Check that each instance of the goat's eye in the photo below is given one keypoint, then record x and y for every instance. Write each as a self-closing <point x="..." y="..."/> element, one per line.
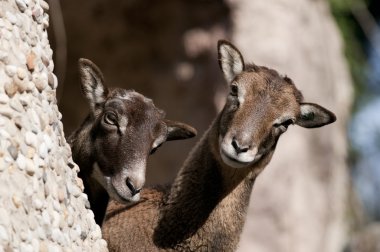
<point x="153" y="150"/>
<point x="110" y="118"/>
<point x="287" y="123"/>
<point x="234" y="90"/>
<point x="283" y="126"/>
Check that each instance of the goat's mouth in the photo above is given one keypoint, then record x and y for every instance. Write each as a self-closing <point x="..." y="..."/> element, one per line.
<point x="112" y="190"/>
<point x="114" y="194"/>
<point x="232" y="161"/>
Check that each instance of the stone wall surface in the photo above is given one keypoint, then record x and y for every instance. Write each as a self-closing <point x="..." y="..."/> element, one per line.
<point x="42" y="206"/>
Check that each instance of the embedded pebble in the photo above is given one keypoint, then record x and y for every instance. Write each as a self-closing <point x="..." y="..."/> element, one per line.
<point x="38" y="205"/>
<point x="8" y="25"/>
<point x="10" y="89"/>
<point x="16" y="105"/>
<point x="21" y="85"/>
<point x="39" y="82"/>
<point x="21" y="73"/>
<point x="30" y="167"/>
<point x="25" y="247"/>
<point x="4" y="57"/>
<point x="45" y="218"/>
<point x="4" y="98"/>
<point x="10" y="70"/>
<point x="43" y="151"/>
<point x="48" y="142"/>
<point x="21" y="5"/>
<point x="34" y="118"/>
<point x="31" y="139"/>
<point x="52" y="80"/>
<point x="23" y="236"/>
<point x="2" y="121"/>
<point x="24" y="100"/>
<point x="13" y="151"/>
<point x="44" y="5"/>
<point x="7" y="112"/>
<point x="32" y="223"/>
<point x="3" y="234"/>
<point x="57" y="207"/>
<point x="57" y="235"/>
<point x="30" y="61"/>
<point x="4" y="217"/>
<point x="45" y="21"/>
<point x="37" y="14"/>
<point x="16" y="201"/>
<point x="36" y="244"/>
<point x="27" y="151"/>
<point x="21" y="162"/>
<point x="61" y="195"/>
<point x="76" y="192"/>
<point x="12" y="130"/>
<point x="7" y="35"/>
<point x="70" y="220"/>
<point x="3" y="165"/>
<point x="33" y="40"/>
<point x="12" y="18"/>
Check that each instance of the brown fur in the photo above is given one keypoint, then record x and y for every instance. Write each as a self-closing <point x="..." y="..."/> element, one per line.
<point x="206" y="206"/>
<point x="120" y="144"/>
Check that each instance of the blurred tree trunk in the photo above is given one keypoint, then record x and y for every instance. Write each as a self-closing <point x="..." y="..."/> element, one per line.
<point x="300" y="201"/>
<point x="42" y="207"/>
<point x="167" y="50"/>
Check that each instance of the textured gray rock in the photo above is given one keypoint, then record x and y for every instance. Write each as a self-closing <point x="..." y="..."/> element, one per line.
<point x="36" y="211"/>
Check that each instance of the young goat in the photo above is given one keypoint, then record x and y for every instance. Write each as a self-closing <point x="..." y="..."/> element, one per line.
<point x="205" y="208"/>
<point x="112" y="145"/>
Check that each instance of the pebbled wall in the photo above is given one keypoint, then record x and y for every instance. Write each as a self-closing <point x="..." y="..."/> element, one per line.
<point x="42" y="206"/>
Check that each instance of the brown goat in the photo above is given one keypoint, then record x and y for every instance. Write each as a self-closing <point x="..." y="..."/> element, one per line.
<point x="205" y="208"/>
<point x="112" y="145"/>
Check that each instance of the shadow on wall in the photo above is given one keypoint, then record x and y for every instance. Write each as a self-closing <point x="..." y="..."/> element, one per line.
<point x="163" y="49"/>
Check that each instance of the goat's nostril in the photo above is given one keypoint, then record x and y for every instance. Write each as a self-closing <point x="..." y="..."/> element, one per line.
<point x="244" y="149"/>
<point x="235" y="145"/>
<point x="131" y="187"/>
<point x="238" y="148"/>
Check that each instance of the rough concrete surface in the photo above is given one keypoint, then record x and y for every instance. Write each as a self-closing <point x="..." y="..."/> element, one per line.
<point x="42" y="206"/>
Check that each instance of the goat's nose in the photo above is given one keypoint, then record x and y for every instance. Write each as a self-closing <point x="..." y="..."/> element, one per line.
<point x="238" y="148"/>
<point x="131" y="187"/>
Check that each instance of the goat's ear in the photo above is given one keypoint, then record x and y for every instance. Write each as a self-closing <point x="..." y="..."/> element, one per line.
<point x="230" y="60"/>
<point x="314" y="116"/>
<point x="92" y="83"/>
<point x="179" y="130"/>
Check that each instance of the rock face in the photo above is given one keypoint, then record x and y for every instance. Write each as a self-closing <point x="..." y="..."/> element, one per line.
<point x="42" y="207"/>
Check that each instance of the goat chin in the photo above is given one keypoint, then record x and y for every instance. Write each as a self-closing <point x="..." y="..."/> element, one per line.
<point x="106" y="182"/>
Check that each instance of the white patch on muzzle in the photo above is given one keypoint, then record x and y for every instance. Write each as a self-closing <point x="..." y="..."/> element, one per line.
<point x="233" y="159"/>
<point x="114" y="192"/>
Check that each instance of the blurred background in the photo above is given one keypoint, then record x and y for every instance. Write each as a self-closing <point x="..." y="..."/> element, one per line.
<point x="321" y="190"/>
